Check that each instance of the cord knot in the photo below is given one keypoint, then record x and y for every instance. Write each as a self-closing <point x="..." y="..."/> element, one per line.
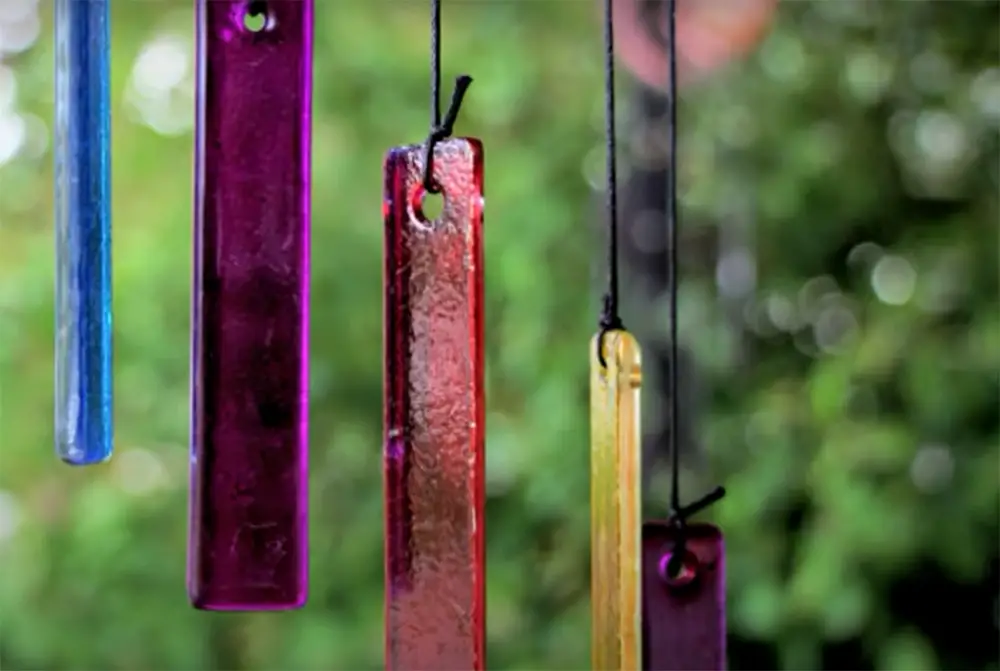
<point x="678" y="519"/>
<point x="610" y="321"/>
<point x="443" y="130"/>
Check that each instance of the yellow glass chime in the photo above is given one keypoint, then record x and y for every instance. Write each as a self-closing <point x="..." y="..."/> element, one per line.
<point x="616" y="505"/>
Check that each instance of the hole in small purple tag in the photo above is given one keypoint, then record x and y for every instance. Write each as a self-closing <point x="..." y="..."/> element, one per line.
<point x="678" y="570"/>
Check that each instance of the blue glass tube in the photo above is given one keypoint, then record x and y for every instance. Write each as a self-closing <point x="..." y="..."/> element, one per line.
<point x="83" y="385"/>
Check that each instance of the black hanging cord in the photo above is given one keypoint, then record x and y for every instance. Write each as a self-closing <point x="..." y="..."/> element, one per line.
<point x="610" y="318"/>
<point x="673" y="242"/>
<point x="678" y="513"/>
<point x="440" y="130"/>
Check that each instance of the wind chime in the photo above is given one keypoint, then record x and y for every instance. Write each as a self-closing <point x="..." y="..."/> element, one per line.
<point x="657" y="588"/>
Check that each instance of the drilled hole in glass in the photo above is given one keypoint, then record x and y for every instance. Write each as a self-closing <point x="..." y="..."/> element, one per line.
<point x="427" y="206"/>
<point x="678" y="571"/>
<point x="255" y="18"/>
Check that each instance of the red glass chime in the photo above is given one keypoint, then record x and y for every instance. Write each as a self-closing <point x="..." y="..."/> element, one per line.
<point x="434" y="409"/>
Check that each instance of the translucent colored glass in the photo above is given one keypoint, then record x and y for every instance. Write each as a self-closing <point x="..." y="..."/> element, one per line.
<point x="615" y="503"/>
<point x="82" y="146"/>
<point x="434" y="412"/>
<point x="248" y="545"/>
<point x="684" y="611"/>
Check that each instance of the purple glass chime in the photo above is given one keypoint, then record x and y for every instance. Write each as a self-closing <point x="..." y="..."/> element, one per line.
<point x="683" y="598"/>
<point x="248" y="544"/>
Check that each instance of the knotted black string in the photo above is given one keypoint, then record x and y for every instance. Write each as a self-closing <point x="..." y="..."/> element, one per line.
<point x="440" y="130"/>
<point x="678" y="514"/>
<point x="610" y="319"/>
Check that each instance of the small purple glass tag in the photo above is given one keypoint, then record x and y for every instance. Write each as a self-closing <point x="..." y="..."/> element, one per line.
<point x="683" y="604"/>
<point x="248" y="544"/>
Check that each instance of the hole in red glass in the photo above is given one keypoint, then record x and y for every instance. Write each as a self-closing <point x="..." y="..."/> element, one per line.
<point x="676" y="571"/>
<point x="427" y="206"/>
<point x="255" y="18"/>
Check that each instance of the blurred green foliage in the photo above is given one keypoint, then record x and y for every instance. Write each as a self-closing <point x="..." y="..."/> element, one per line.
<point x="858" y="440"/>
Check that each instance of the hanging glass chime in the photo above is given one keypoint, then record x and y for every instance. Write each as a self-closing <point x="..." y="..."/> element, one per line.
<point x="684" y="589"/>
<point x="434" y="398"/>
<point x="615" y="501"/>
<point x="82" y="146"/>
<point x="248" y="544"/>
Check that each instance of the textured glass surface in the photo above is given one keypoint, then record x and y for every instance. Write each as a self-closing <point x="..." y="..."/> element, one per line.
<point x="615" y="504"/>
<point x="434" y="412"/>
<point x="81" y="143"/>
<point x="248" y="540"/>
<point x="684" y="623"/>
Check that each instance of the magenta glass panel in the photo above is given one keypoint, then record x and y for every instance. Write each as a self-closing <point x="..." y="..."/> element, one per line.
<point x="248" y="542"/>
<point x="684" y="615"/>
<point x="434" y="412"/>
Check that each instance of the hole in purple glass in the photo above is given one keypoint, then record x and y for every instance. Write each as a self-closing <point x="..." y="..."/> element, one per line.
<point x="678" y="572"/>
<point x="427" y="207"/>
<point x="255" y="18"/>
